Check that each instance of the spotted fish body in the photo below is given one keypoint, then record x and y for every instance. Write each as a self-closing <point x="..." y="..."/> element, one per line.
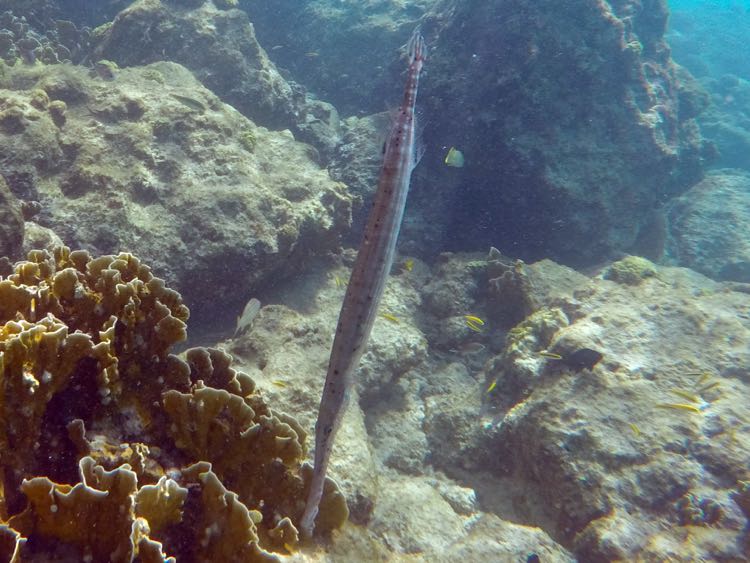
<point x="368" y="277"/>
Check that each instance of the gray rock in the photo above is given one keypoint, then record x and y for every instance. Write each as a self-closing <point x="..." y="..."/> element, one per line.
<point x="706" y="227"/>
<point x="220" y="47"/>
<point x="11" y="223"/>
<point x="153" y="163"/>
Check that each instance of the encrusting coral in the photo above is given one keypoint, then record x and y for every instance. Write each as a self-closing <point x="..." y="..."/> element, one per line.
<point x="90" y="394"/>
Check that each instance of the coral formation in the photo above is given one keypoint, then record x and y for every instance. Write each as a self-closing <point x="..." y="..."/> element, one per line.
<point x="89" y="390"/>
<point x="52" y="41"/>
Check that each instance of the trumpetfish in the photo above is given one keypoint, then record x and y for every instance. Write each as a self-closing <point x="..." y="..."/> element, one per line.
<point x="401" y="154"/>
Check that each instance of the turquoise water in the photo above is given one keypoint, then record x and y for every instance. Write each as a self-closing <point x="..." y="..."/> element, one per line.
<point x="708" y="5"/>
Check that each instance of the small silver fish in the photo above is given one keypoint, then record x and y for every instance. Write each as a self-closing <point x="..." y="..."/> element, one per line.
<point x="248" y="315"/>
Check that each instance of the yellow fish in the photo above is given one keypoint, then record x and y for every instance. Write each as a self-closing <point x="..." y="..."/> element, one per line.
<point x="492" y="386"/>
<point x="709" y="387"/>
<point x="474" y="323"/>
<point x="279" y="383"/>
<point x="339" y="281"/>
<point x="409" y="264"/>
<point x="550" y="355"/>
<point x="389" y="317"/>
<point x="680" y="406"/>
<point x="454" y="158"/>
<point x="693" y="398"/>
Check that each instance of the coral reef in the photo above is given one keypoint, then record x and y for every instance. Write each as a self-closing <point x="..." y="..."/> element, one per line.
<point x="622" y="458"/>
<point x="50" y="41"/>
<point x="89" y="390"/>
<point x="229" y="61"/>
<point x="410" y="408"/>
<point x="556" y="181"/>
<point x="604" y="442"/>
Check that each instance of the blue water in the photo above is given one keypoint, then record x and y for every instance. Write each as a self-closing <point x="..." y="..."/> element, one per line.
<point x="707" y="5"/>
<point x="710" y="38"/>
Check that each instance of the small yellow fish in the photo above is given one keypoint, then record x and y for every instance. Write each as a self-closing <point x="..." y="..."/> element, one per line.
<point x="389" y="317"/>
<point x="550" y="355"/>
<point x="492" y="386"/>
<point x="635" y="429"/>
<point x="732" y="434"/>
<point x="712" y="385"/>
<point x="680" y="407"/>
<point x="339" y="281"/>
<point x="686" y="395"/>
<point x="454" y="158"/>
<point x="409" y="264"/>
<point x="474" y="323"/>
<point x="279" y="383"/>
<point x="705" y="376"/>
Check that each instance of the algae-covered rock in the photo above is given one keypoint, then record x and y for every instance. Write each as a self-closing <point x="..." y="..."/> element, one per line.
<point x="218" y="46"/>
<point x="602" y="448"/>
<point x="11" y="223"/>
<point x="631" y="270"/>
<point x="705" y="227"/>
<point x="155" y="163"/>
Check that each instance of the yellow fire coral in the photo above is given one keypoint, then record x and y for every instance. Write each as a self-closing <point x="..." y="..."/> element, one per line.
<point x="89" y="392"/>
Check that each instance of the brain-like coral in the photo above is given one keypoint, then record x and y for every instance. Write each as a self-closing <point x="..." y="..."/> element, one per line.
<point x="100" y="424"/>
<point x="42" y="38"/>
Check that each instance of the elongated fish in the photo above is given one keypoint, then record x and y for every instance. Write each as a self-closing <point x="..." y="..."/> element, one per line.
<point x="368" y="278"/>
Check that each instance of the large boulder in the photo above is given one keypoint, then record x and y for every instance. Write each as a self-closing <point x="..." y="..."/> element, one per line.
<point x="152" y="162"/>
<point x="706" y="227"/>
<point x="219" y="46"/>
<point x="574" y="122"/>
<point x="573" y="119"/>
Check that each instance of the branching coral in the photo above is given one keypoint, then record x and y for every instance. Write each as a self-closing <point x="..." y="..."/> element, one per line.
<point x="88" y="388"/>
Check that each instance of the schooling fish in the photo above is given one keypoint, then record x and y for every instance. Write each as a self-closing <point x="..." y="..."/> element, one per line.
<point x="368" y="277"/>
